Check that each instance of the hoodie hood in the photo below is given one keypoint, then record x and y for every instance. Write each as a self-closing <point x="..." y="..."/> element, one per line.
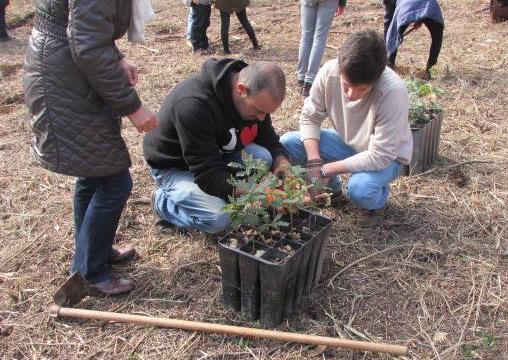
<point x="216" y="73"/>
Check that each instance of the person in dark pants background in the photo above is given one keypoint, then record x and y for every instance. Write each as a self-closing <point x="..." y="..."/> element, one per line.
<point x="3" y="26"/>
<point x="198" y="22"/>
<point x="239" y="7"/>
<point x="399" y="14"/>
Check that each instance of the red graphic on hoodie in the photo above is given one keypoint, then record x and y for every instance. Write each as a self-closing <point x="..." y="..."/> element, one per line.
<point x="248" y="134"/>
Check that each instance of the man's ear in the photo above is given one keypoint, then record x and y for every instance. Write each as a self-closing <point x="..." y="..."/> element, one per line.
<point x="242" y="89"/>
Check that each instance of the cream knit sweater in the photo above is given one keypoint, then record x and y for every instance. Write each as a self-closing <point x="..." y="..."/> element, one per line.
<point x="376" y="126"/>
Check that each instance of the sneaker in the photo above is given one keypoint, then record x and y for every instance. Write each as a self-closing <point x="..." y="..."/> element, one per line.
<point x="370" y="218"/>
<point x="306" y="89"/>
<point x="111" y="287"/>
<point x="162" y="226"/>
<point x="299" y="85"/>
<point x="122" y="254"/>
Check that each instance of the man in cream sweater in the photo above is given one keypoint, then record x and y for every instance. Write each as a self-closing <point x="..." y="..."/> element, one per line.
<point x="367" y="104"/>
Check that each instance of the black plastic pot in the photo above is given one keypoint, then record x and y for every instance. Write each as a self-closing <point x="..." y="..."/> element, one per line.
<point x="269" y="286"/>
<point x="425" y="145"/>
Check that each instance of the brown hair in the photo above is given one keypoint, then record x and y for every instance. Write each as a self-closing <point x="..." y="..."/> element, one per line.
<point x="362" y="57"/>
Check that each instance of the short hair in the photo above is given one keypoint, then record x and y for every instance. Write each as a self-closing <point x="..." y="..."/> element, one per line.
<point x="362" y="57"/>
<point x="264" y="75"/>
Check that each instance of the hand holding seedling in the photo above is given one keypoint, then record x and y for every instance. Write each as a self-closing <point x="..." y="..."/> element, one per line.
<point x="314" y="176"/>
<point x="281" y="166"/>
<point x="263" y="198"/>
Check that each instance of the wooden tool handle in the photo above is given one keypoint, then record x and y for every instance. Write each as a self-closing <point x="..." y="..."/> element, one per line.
<point x="57" y="311"/>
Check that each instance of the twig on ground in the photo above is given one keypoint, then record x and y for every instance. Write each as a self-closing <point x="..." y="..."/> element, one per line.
<point x="155" y="51"/>
<point x="330" y="282"/>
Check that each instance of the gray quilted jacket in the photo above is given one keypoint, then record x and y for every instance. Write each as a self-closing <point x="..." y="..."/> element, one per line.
<point x="75" y="89"/>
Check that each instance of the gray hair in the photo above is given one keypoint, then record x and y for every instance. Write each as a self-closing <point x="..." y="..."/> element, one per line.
<point x="264" y="75"/>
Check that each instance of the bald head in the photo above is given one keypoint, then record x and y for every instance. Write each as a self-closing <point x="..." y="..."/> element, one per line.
<point x="264" y="75"/>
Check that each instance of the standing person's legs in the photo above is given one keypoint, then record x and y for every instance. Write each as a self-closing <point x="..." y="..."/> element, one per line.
<point x="324" y="17"/>
<point x="196" y="25"/>
<point x="189" y="26"/>
<point x="98" y="226"/>
<point x="207" y="13"/>
<point x="224" y="31"/>
<point x="200" y="22"/>
<point x="83" y="193"/>
<point x="393" y="56"/>
<point x="436" y="33"/>
<point x="389" y="6"/>
<point x="244" y="20"/>
<point x="308" y="24"/>
<point x="369" y="190"/>
<point x="3" y="26"/>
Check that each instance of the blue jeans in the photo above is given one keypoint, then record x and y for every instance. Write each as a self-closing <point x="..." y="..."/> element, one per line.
<point x="367" y="189"/>
<point x="189" y="23"/>
<point x="315" y="23"/>
<point x="200" y="21"/>
<point x="98" y="204"/>
<point x="181" y="202"/>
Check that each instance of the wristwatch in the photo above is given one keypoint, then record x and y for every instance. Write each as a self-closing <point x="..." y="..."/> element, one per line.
<point x="322" y="172"/>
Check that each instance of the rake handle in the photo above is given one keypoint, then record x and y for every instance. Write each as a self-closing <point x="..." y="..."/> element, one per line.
<point x="57" y="311"/>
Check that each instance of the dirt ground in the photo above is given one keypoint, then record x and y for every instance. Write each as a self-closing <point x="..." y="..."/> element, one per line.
<point x="435" y="276"/>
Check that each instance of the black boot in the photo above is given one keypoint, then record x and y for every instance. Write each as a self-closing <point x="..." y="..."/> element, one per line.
<point x="306" y="89"/>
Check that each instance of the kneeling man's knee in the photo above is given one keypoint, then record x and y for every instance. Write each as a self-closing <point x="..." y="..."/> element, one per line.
<point x="363" y="192"/>
<point x="216" y="223"/>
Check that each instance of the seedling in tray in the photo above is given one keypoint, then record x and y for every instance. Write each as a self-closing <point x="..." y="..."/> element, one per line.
<point x="275" y="250"/>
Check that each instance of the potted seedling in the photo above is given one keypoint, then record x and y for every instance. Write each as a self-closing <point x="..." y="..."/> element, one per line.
<point x="425" y="119"/>
<point x="275" y="249"/>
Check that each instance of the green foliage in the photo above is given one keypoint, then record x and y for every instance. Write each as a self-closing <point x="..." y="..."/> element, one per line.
<point x="488" y="341"/>
<point x="422" y="101"/>
<point x="243" y="342"/>
<point x="468" y="350"/>
<point x="262" y="192"/>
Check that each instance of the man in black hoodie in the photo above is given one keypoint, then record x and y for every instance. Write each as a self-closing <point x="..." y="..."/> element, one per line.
<point x="205" y="123"/>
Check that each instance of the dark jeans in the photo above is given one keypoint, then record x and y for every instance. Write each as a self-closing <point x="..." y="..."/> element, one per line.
<point x="3" y="28"/>
<point x="98" y="204"/>
<point x="244" y="20"/>
<point x="435" y="29"/>
<point x="200" y="21"/>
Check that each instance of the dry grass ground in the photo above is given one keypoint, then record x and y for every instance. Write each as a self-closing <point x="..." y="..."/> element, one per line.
<point x="441" y="286"/>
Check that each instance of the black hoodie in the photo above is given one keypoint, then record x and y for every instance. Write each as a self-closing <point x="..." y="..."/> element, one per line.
<point x="199" y="123"/>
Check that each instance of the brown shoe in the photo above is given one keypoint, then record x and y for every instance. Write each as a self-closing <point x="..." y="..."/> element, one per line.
<point x="111" y="287"/>
<point x="122" y="254"/>
<point x="370" y="218"/>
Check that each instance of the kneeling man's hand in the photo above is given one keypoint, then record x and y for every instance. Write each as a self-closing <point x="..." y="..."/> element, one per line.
<point x="281" y="166"/>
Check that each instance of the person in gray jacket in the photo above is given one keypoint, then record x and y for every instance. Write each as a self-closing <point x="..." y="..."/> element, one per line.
<point x="78" y="86"/>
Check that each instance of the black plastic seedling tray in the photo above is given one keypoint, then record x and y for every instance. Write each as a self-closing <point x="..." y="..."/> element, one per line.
<point x="267" y="286"/>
